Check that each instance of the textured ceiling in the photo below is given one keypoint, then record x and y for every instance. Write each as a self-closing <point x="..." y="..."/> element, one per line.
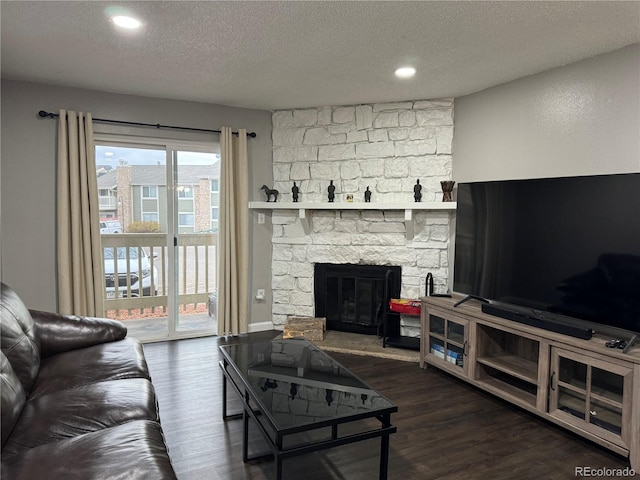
<point x="274" y="55"/>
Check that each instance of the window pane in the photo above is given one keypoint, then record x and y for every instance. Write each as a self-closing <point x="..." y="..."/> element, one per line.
<point x="572" y="372"/>
<point x="214" y="186"/>
<point x="186" y="219"/>
<point x="131" y="181"/>
<point x="149" y="192"/>
<point x="185" y="191"/>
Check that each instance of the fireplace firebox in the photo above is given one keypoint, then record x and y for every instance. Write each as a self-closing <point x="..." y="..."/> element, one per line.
<point x="353" y="298"/>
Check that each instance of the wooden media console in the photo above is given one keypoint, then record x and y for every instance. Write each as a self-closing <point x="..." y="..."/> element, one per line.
<point x="580" y="385"/>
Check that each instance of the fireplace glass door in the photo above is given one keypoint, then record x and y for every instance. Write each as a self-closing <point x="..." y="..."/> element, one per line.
<point x="353" y="297"/>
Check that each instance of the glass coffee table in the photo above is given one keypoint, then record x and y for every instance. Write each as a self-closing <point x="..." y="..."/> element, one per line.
<point x="298" y="396"/>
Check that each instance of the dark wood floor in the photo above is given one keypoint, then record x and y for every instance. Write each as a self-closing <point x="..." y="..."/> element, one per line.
<point x="446" y="428"/>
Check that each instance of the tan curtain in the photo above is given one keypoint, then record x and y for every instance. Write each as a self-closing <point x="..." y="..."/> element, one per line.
<point x="233" y="237"/>
<point x="79" y="260"/>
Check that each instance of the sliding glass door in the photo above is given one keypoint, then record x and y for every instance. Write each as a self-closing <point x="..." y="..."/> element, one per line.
<point x="158" y="220"/>
<point x="195" y="226"/>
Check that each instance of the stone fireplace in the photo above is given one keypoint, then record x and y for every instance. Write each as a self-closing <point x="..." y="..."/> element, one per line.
<point x="385" y="147"/>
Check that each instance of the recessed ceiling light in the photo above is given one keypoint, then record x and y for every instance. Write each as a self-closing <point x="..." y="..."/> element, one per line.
<point x="405" y="72"/>
<point x="126" y="22"/>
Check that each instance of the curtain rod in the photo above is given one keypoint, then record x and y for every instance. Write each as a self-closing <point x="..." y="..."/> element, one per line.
<point x="44" y="114"/>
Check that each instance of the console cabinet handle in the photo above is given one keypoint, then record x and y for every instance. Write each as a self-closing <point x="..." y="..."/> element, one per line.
<point x="464" y="348"/>
<point x="551" y="383"/>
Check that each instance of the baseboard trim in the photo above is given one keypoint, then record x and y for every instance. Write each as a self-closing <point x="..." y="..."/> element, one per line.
<point x="260" y="327"/>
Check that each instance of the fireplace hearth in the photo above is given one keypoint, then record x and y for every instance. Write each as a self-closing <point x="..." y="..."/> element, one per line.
<point x="353" y="298"/>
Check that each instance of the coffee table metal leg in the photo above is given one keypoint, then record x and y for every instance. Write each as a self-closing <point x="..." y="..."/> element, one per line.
<point x="384" y="457"/>
<point x="278" y="458"/>
<point x="245" y="431"/>
<point x="278" y="465"/>
<point x="224" y="393"/>
<point x="384" y="448"/>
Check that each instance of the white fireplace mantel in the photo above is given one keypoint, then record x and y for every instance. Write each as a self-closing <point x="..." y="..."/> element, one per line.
<point x="302" y="207"/>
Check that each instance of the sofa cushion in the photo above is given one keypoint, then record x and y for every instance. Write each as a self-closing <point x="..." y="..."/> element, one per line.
<point x="134" y="450"/>
<point x="108" y="361"/>
<point x="18" y="337"/>
<point x="13" y="397"/>
<point x="89" y="408"/>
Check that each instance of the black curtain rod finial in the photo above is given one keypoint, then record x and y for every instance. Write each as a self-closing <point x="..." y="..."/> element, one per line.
<point x="43" y="114"/>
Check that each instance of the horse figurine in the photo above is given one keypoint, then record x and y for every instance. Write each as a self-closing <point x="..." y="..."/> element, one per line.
<point x="270" y="192"/>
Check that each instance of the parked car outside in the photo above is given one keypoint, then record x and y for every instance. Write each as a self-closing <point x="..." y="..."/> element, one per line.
<point x="110" y="226"/>
<point x="140" y="272"/>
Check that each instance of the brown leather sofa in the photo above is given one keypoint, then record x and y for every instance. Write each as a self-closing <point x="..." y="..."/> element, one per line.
<point x="77" y="399"/>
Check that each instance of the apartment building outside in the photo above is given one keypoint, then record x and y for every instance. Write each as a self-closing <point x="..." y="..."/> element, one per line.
<point x="134" y="193"/>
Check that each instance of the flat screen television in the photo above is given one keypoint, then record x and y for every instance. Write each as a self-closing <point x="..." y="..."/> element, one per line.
<point x="559" y="249"/>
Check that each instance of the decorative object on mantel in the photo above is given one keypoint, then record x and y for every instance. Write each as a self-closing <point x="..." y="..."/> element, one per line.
<point x="447" y="188"/>
<point x="417" y="191"/>
<point x="332" y="190"/>
<point x="295" y="191"/>
<point x="367" y="195"/>
<point x="270" y="192"/>
<point x="349" y="197"/>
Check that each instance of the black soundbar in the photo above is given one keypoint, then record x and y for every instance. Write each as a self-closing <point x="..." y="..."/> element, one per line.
<point x="536" y="318"/>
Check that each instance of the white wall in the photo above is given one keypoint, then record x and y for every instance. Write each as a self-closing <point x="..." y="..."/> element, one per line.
<point x="579" y="119"/>
<point x="28" y="173"/>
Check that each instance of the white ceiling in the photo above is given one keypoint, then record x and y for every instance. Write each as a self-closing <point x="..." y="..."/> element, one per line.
<point x="275" y="55"/>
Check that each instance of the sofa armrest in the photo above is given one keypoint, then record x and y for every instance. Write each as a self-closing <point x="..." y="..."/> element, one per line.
<point x="62" y="333"/>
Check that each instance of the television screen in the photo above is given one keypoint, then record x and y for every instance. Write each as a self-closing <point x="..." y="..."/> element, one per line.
<point x="569" y="246"/>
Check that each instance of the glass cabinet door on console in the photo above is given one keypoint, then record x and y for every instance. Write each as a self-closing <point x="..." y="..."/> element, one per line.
<point x="592" y="394"/>
<point x="446" y="340"/>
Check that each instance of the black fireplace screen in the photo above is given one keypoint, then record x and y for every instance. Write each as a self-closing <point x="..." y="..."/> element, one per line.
<point x="353" y="297"/>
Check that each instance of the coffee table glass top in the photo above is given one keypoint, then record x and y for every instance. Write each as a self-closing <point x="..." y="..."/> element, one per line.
<point x="298" y="384"/>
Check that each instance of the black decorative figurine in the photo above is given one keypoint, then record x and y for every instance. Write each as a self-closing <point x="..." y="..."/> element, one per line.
<point x="270" y="192"/>
<point x="331" y="189"/>
<point x="294" y="192"/>
<point x="367" y="195"/>
<point x="417" y="191"/>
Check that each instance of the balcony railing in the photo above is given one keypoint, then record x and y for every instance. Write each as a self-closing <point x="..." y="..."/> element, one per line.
<point x="136" y="272"/>
<point x="107" y="202"/>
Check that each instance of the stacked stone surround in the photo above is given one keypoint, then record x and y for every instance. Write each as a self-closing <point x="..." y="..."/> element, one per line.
<point x="385" y="147"/>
